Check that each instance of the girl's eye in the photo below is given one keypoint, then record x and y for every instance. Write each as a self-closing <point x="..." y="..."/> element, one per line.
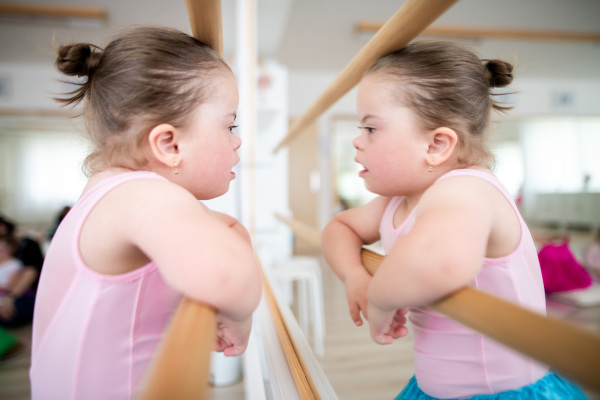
<point x="231" y="128"/>
<point x="368" y="129"/>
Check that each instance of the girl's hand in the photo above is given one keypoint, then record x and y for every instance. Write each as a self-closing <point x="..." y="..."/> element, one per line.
<point x="232" y="336"/>
<point x="357" y="285"/>
<point x="387" y="326"/>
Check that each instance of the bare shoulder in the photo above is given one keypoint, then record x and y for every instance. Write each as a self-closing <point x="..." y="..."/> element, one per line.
<point x="158" y="206"/>
<point x="474" y="203"/>
<point x="460" y="191"/>
<point x="133" y="219"/>
<point x="140" y="195"/>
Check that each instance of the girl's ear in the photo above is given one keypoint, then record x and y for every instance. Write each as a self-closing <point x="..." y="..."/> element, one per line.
<point x="164" y="144"/>
<point x="441" y="145"/>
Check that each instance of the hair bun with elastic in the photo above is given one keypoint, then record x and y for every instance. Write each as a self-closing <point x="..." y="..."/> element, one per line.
<point x="80" y="59"/>
<point x="499" y="73"/>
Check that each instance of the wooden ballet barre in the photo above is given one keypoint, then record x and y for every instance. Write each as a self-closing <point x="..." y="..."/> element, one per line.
<point x="478" y="33"/>
<point x="565" y="347"/>
<point x="206" y="22"/>
<point x="54" y="11"/>
<point x="182" y="367"/>
<point x="396" y="33"/>
<point x="302" y="230"/>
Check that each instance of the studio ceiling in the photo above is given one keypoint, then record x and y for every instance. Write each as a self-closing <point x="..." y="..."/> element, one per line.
<point x="320" y="34"/>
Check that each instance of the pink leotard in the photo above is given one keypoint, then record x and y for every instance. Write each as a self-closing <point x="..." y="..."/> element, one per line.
<point x="94" y="334"/>
<point x="452" y="361"/>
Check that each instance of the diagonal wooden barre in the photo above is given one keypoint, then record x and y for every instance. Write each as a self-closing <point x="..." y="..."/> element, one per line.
<point x="302" y="230"/>
<point x="521" y="34"/>
<point x="54" y="11"/>
<point x="404" y="26"/>
<point x="563" y="346"/>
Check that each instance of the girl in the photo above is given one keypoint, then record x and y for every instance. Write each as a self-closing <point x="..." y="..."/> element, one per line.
<point x="444" y="220"/>
<point x="160" y="110"/>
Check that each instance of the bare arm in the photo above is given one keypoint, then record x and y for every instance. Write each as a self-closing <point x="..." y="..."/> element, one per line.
<point x="343" y="238"/>
<point x="442" y="253"/>
<point x="232" y="335"/>
<point x="200" y="253"/>
<point x="233" y="223"/>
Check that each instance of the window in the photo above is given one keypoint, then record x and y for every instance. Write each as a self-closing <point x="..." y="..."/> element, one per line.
<point x="41" y="174"/>
<point x="562" y="154"/>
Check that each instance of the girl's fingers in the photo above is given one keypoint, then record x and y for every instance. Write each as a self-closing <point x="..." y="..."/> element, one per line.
<point x="364" y="307"/>
<point x="382" y="338"/>
<point x="399" y="332"/>
<point x="355" y="313"/>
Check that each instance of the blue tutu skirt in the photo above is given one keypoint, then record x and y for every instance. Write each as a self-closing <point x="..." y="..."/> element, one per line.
<point x="550" y="387"/>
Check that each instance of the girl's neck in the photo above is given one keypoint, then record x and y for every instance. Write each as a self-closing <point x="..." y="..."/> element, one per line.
<point x="105" y="174"/>
<point x="411" y="200"/>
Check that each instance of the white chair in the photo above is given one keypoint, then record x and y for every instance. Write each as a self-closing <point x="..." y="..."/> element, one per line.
<point x="306" y="272"/>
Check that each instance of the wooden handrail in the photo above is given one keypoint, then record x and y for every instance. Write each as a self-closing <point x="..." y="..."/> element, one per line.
<point x="54" y="11"/>
<point x="522" y="34"/>
<point x="567" y="348"/>
<point x="206" y="22"/>
<point x="304" y="231"/>
<point x="397" y="32"/>
<point x="182" y="366"/>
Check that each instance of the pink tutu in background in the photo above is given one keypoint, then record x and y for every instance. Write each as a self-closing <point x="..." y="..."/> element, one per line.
<point x="560" y="269"/>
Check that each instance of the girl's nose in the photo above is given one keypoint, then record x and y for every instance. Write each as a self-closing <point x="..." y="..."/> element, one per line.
<point x="357" y="142"/>
<point x="237" y="142"/>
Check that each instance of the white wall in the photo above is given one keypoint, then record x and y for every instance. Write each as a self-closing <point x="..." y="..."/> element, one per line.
<point x="544" y="97"/>
<point x="30" y="86"/>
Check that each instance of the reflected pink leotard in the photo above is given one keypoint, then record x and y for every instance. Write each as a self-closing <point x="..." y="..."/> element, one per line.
<point x="452" y="361"/>
<point x="94" y="334"/>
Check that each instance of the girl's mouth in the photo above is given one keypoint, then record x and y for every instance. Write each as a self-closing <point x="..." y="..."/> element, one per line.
<point x="363" y="171"/>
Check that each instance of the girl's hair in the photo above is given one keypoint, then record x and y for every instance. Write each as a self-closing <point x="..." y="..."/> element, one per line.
<point x="144" y="77"/>
<point x="446" y="84"/>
